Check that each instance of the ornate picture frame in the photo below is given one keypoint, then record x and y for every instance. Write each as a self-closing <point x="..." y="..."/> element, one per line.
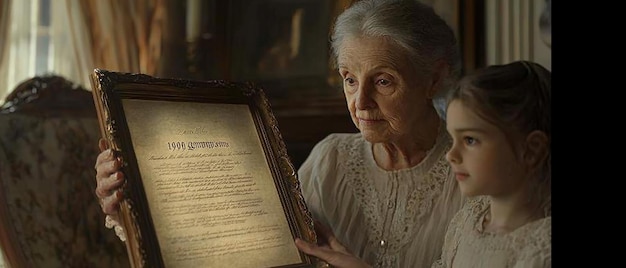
<point x="208" y="179"/>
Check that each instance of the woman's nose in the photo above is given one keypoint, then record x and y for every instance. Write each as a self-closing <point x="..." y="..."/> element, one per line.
<point x="364" y="98"/>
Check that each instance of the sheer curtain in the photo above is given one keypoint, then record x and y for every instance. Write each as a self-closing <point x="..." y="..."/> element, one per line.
<point x="77" y="36"/>
<point x="5" y="7"/>
<point x="25" y="42"/>
<point x="18" y="49"/>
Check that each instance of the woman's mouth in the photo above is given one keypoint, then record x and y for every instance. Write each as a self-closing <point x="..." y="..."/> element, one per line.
<point x="363" y="121"/>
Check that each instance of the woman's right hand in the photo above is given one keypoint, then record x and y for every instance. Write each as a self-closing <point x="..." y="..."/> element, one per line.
<point x="330" y="250"/>
<point x="109" y="179"/>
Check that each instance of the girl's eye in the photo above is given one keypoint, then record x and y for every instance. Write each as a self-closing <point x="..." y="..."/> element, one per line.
<point x="470" y="140"/>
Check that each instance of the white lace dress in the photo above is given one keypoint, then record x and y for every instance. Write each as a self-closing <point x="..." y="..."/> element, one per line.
<point x="467" y="245"/>
<point x="388" y="218"/>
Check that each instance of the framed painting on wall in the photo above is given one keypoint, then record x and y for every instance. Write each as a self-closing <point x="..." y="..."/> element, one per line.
<point x="281" y="43"/>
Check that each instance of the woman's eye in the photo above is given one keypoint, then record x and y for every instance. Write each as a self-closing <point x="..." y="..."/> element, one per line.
<point x="385" y="86"/>
<point x="349" y="85"/>
<point x="349" y="81"/>
<point x="383" y="82"/>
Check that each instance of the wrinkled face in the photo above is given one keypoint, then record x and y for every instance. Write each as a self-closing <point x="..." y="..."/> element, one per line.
<point x="386" y="98"/>
<point x="481" y="157"/>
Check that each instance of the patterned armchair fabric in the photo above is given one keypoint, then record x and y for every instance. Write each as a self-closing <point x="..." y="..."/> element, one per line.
<point x="49" y="215"/>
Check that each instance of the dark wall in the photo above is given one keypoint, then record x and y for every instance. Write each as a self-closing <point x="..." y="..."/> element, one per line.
<point x="250" y="41"/>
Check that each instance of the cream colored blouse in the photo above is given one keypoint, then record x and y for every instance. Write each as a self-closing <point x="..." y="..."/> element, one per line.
<point x="387" y="218"/>
<point x="467" y="245"/>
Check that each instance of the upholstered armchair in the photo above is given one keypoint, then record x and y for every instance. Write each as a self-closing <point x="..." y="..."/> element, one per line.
<point x="49" y="216"/>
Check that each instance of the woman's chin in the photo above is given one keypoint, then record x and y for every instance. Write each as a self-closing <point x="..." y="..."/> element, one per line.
<point x="373" y="136"/>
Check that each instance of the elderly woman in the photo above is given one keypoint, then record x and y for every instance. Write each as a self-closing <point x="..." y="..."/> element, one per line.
<point x="386" y="192"/>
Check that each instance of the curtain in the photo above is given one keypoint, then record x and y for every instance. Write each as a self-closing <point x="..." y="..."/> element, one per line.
<point x="17" y="56"/>
<point x="79" y="36"/>
<point x="512" y="32"/>
<point x="5" y="7"/>
<point x="116" y="35"/>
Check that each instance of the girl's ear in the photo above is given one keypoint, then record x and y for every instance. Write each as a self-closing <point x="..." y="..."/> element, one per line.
<point x="537" y="148"/>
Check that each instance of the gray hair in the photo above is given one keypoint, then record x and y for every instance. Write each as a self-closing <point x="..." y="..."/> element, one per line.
<point x="410" y="24"/>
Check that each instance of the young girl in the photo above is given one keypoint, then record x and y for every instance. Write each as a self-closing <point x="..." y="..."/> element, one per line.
<point x="499" y="119"/>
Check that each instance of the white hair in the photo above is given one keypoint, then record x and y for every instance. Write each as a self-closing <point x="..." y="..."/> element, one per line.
<point x="412" y="25"/>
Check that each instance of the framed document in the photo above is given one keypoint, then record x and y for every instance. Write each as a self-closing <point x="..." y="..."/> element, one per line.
<point x="208" y="179"/>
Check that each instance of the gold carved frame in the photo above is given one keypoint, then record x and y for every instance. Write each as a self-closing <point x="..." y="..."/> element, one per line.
<point x="114" y="93"/>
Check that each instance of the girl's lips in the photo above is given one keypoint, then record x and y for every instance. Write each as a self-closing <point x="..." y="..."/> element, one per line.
<point x="461" y="176"/>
